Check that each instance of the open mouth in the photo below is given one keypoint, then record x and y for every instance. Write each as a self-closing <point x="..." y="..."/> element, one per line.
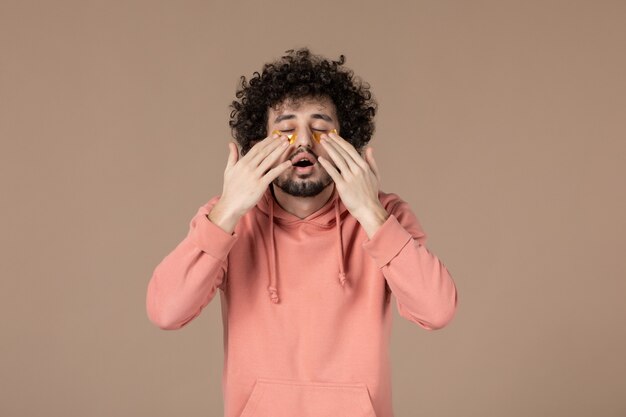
<point x="303" y="163"/>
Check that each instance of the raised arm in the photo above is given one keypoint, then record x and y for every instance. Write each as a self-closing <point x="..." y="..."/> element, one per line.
<point x="424" y="290"/>
<point x="187" y="279"/>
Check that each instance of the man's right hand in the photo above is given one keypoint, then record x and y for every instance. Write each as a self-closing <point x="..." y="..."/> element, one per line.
<point x="247" y="178"/>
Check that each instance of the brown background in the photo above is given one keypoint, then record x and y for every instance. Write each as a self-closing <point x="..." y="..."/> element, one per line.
<point x="501" y="123"/>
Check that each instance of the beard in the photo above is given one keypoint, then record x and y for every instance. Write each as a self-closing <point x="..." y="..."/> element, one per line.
<point x="302" y="186"/>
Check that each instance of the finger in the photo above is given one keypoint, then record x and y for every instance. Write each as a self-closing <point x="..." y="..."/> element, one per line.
<point x="275" y="172"/>
<point x="332" y="171"/>
<point x="269" y="145"/>
<point x="369" y="153"/>
<point x="354" y="157"/>
<point x="258" y="146"/>
<point x="273" y="156"/>
<point x="233" y="155"/>
<point x="333" y="152"/>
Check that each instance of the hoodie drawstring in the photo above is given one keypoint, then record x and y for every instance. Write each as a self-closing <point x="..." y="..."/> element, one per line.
<point x="342" y="274"/>
<point x="272" y="288"/>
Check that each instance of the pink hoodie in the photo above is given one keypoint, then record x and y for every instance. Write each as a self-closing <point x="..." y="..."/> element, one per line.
<point x="305" y="303"/>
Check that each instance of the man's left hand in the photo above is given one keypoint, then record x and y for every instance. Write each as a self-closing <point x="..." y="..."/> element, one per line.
<point x="357" y="183"/>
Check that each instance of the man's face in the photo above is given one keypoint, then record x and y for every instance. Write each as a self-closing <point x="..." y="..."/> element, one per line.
<point x="305" y="118"/>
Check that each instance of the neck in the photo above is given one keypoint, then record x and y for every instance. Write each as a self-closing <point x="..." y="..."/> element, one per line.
<point x="302" y="207"/>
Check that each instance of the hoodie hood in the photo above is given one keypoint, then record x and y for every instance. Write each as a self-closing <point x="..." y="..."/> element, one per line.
<point x="327" y="216"/>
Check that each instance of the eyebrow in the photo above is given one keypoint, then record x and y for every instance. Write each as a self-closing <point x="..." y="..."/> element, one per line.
<point x="313" y="116"/>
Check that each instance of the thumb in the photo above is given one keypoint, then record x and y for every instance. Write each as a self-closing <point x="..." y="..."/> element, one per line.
<point x="369" y="154"/>
<point x="233" y="156"/>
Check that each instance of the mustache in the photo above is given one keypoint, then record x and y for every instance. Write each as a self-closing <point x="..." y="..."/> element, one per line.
<point x="303" y="150"/>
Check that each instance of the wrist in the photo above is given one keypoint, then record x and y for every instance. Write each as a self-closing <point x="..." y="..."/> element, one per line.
<point x="223" y="218"/>
<point x="373" y="219"/>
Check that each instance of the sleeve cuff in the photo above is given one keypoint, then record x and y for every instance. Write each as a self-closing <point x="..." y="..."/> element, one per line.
<point x="210" y="238"/>
<point x="387" y="242"/>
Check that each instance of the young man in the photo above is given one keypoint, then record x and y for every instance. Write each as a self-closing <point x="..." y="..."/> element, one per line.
<point x="305" y="255"/>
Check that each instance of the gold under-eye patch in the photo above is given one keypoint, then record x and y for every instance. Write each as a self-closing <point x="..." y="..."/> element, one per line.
<point x="293" y="136"/>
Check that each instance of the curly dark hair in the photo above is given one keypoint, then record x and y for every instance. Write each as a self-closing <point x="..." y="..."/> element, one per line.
<point x="296" y="76"/>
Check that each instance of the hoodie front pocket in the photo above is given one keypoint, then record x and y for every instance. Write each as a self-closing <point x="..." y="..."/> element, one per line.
<point x="285" y="398"/>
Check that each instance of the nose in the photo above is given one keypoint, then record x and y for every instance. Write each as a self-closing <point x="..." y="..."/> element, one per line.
<point x="303" y="138"/>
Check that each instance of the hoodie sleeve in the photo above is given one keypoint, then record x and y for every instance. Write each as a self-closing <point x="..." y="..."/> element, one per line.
<point x="424" y="290"/>
<point x="187" y="279"/>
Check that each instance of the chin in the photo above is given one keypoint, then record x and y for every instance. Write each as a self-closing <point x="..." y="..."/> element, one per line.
<point x="309" y="186"/>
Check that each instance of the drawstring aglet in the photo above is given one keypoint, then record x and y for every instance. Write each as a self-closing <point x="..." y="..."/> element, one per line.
<point x="342" y="278"/>
<point x="273" y="294"/>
